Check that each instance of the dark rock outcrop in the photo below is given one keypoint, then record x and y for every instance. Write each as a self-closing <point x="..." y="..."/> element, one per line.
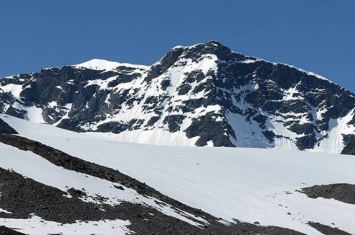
<point x="6" y="128"/>
<point x="7" y="231"/>
<point x="327" y="230"/>
<point x="349" y="149"/>
<point x="341" y="192"/>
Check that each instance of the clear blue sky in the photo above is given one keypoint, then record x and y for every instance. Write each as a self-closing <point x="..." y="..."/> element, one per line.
<point x="314" y="35"/>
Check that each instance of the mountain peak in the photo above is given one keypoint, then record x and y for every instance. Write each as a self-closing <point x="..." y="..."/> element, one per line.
<point x="205" y="94"/>
<point x="215" y="43"/>
<point x="212" y="47"/>
<point x="98" y="64"/>
<point x="212" y="43"/>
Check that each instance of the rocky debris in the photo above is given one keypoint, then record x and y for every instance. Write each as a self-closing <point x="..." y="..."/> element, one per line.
<point x="341" y="192"/>
<point x="327" y="230"/>
<point x="24" y="196"/>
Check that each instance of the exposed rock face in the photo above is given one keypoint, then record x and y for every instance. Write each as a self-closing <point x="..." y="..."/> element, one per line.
<point x="349" y="149"/>
<point x="201" y="95"/>
<point x="341" y="192"/>
<point x="6" y="129"/>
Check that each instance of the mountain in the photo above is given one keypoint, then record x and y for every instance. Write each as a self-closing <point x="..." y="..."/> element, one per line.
<point x="55" y="181"/>
<point x="201" y="95"/>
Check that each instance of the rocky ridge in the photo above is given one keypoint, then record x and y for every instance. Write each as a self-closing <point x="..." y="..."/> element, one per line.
<point x="201" y="95"/>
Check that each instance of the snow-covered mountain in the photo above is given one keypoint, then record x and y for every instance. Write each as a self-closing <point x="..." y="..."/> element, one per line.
<point x="201" y="95"/>
<point x="54" y="181"/>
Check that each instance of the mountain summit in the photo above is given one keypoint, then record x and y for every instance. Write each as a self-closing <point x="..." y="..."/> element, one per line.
<point x="201" y="95"/>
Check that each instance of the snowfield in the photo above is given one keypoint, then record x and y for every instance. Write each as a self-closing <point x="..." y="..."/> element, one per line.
<point x="250" y="185"/>
<point x="37" y="225"/>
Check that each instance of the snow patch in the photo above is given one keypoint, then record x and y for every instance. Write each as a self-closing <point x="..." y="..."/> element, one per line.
<point x="15" y="90"/>
<point x="4" y="211"/>
<point x="333" y="142"/>
<point x="38" y="226"/>
<point x="105" y="65"/>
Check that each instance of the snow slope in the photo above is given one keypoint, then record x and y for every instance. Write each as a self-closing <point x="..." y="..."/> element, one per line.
<point x="251" y="185"/>
<point x="39" y="169"/>
<point x="338" y="127"/>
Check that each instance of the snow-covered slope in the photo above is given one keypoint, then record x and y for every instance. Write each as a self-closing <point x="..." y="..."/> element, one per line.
<point x="92" y="190"/>
<point x="250" y="185"/>
<point x="35" y="167"/>
<point x="200" y="95"/>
